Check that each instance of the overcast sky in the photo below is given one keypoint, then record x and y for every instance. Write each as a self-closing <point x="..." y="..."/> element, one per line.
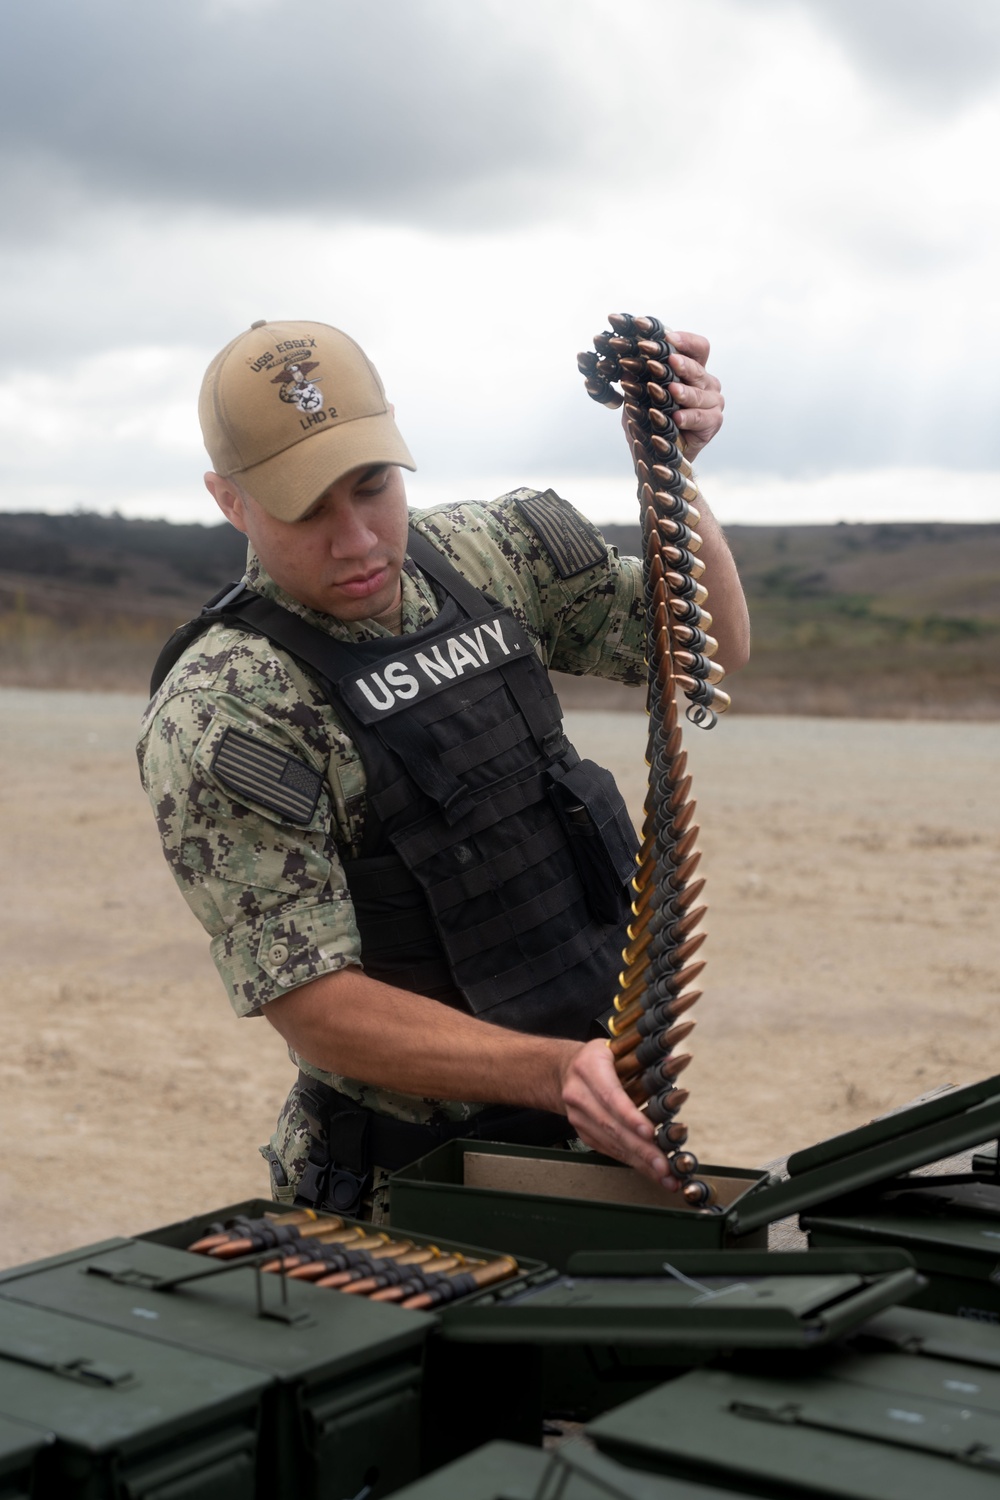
<point x="468" y="187"/>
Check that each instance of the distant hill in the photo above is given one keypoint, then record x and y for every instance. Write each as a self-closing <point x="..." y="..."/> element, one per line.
<point x="880" y="620"/>
<point x="73" y="567"/>
<point x="890" y="620"/>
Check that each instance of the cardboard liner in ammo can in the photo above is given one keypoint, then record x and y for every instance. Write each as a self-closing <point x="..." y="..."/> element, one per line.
<point x="550" y="1203"/>
<point x="889" y="1426"/>
<point x="117" y="1415"/>
<point x="508" y="1471"/>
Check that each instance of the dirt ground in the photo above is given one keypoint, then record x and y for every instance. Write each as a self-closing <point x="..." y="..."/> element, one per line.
<point x="852" y="873"/>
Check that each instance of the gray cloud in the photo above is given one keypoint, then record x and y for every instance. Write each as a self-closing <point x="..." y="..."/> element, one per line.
<point x="936" y="54"/>
<point x="792" y="413"/>
<point x="389" y="111"/>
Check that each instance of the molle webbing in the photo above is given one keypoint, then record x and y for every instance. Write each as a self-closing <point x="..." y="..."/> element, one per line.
<point x="475" y="883"/>
<point x="463" y="797"/>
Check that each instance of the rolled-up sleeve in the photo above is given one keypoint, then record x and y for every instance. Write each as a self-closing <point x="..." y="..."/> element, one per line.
<point x="282" y="947"/>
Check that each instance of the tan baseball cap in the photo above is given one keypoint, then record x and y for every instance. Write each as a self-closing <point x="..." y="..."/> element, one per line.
<point x="286" y="409"/>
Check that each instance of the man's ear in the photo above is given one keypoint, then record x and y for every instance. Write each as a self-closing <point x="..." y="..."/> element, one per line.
<point x="228" y="498"/>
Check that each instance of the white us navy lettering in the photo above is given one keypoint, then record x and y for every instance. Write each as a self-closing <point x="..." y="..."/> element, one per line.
<point x="445" y="660"/>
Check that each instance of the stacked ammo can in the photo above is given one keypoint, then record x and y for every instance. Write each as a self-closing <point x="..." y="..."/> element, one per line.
<point x="654" y="994"/>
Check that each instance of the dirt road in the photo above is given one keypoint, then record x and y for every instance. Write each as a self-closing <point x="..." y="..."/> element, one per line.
<point x="852" y="875"/>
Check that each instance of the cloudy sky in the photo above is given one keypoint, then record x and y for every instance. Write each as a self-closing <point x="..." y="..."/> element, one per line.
<point x="468" y="187"/>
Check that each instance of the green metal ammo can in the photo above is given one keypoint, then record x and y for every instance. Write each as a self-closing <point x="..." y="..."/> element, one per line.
<point x="20" y="1447"/>
<point x="506" y="1471"/>
<point x="343" y="1375"/>
<point x="359" y="1400"/>
<point x="858" y="1426"/>
<point x="549" y="1203"/>
<point x="911" y="1330"/>
<point x="947" y="1220"/>
<point x="622" y="1322"/>
<point x="128" y="1417"/>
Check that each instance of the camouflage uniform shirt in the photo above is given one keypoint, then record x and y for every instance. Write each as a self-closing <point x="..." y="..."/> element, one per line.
<point x="272" y="894"/>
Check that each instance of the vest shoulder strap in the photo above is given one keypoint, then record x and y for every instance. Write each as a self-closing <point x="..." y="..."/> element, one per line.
<point x="434" y="563"/>
<point x="237" y="605"/>
<point x="174" y="648"/>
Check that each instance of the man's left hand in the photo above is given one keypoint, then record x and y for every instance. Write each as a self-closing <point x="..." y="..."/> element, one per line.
<point x="698" y="394"/>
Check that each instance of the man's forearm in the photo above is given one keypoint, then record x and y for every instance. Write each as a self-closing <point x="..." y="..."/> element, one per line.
<point x="350" y="1024"/>
<point x="726" y="603"/>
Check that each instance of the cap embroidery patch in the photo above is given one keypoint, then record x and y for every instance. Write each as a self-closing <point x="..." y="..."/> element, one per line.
<point x="278" y="781"/>
<point x="571" y="542"/>
<point x="295" y="388"/>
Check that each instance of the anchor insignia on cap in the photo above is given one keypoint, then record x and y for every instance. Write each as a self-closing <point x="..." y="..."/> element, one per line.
<point x="297" y="389"/>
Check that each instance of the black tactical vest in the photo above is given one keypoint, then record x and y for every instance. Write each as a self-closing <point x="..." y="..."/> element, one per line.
<point x="495" y="863"/>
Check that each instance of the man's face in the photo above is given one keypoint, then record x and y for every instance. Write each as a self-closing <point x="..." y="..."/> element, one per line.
<point x="344" y="556"/>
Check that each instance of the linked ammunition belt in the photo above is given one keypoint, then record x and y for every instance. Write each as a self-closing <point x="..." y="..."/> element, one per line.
<point x="349" y="1258"/>
<point x="654" y="995"/>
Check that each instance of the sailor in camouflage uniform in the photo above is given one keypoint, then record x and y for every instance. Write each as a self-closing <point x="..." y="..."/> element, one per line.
<point x="362" y="786"/>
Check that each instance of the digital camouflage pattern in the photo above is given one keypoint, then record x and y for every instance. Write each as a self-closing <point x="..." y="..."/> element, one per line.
<point x="272" y="894"/>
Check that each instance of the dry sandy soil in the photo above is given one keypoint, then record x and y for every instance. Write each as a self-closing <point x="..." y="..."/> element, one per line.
<point x="852" y="869"/>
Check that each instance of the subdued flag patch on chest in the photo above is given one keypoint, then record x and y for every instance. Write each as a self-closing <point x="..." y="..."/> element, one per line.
<point x="572" y="542"/>
<point x="276" y="780"/>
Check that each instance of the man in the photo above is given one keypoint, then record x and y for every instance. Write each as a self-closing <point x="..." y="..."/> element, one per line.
<point x="363" y="789"/>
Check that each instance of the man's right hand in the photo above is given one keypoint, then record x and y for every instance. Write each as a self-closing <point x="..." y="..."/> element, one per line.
<point x="350" y="1024"/>
<point x="605" y="1118"/>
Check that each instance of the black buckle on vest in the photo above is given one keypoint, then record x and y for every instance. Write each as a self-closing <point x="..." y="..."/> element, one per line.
<point x="554" y="743"/>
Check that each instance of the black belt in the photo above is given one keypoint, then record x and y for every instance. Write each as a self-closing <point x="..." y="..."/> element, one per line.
<point x="350" y="1137"/>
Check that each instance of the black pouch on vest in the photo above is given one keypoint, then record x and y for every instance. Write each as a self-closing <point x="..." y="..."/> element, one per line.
<point x="600" y="833"/>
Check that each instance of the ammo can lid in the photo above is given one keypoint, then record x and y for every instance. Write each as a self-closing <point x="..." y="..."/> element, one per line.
<point x="867" y="1427"/>
<point x="499" y="1470"/>
<point x="226" y="1309"/>
<point x="103" y="1390"/>
<point x="914" y="1330"/>
<point x="927" y="1131"/>
<point x="703" y="1299"/>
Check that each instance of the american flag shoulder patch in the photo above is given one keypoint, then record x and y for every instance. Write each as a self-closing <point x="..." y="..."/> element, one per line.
<point x="572" y="542"/>
<point x="276" y="780"/>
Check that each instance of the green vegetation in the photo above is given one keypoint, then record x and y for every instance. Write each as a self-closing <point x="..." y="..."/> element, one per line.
<point x="874" y="620"/>
<point x="885" y="619"/>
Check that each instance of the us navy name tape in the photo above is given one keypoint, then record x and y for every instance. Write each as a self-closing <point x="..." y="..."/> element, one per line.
<point x="410" y="676"/>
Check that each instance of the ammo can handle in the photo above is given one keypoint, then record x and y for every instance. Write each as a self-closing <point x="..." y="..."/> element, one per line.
<point x="86" y="1371"/>
<point x="131" y="1276"/>
<point x="123" y="1275"/>
<point x="601" y="1472"/>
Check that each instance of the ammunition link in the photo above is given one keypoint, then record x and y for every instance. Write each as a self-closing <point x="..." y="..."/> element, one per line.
<point x="634" y="356"/>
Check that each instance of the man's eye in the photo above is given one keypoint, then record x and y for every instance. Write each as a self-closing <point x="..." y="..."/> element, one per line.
<point x="375" y="486"/>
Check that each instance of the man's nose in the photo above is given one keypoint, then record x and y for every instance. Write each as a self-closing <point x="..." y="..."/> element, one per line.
<point x="350" y="535"/>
